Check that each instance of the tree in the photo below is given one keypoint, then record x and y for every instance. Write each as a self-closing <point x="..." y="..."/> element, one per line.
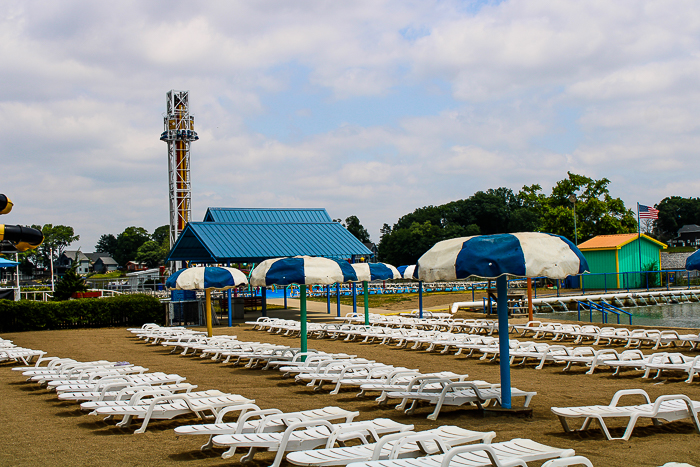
<point x="597" y="213"/>
<point x="107" y="244"/>
<point x="56" y="239"/>
<point x="161" y="234"/>
<point x="151" y="253"/>
<point x="353" y="225"/>
<point x="70" y="283"/>
<point x="674" y="213"/>
<point x="128" y="243"/>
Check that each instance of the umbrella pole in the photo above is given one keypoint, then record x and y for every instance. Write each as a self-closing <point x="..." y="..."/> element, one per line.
<point x="302" y="317"/>
<point x="420" y="299"/>
<point x="364" y="289"/>
<point x="529" y="299"/>
<point x="207" y="301"/>
<point x="337" y="297"/>
<point x="503" y="344"/>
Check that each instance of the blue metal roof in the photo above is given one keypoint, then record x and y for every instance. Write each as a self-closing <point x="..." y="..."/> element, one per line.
<point x="216" y="242"/>
<point x="272" y="215"/>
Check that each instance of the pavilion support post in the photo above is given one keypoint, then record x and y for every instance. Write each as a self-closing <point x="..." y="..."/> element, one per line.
<point x="503" y="340"/>
<point x="228" y="295"/>
<point x="263" y="293"/>
<point x="354" y="298"/>
<point x="302" y="317"/>
<point x="207" y="303"/>
<point x="285" y="296"/>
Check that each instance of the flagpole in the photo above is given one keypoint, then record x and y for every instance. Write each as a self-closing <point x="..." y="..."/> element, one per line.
<point x="639" y="243"/>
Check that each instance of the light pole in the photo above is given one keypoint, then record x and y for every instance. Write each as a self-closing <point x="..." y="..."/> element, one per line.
<point x="572" y="198"/>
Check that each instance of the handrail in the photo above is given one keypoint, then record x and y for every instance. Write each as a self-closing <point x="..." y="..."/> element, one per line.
<point x="606" y="304"/>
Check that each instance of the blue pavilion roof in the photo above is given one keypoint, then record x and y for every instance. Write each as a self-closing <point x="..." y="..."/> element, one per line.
<point x="266" y="215"/>
<point x="253" y="242"/>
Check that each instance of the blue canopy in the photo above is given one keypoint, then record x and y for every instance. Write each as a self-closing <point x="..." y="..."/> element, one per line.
<point x="202" y="278"/>
<point x="301" y="270"/>
<point x="6" y="263"/>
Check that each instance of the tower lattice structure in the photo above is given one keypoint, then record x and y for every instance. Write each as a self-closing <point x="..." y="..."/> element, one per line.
<point x="179" y="134"/>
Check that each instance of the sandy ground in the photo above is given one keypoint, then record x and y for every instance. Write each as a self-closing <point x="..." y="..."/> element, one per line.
<point x="37" y="429"/>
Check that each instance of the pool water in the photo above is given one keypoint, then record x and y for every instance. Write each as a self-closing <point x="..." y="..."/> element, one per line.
<point x="677" y="315"/>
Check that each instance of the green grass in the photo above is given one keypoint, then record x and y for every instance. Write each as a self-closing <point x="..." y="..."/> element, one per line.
<point x="679" y="249"/>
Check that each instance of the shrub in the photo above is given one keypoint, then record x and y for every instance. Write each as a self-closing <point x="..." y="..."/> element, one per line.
<point x="122" y="310"/>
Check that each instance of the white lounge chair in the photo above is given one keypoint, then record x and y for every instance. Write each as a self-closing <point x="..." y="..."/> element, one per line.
<point x="170" y="406"/>
<point x="251" y="418"/>
<point x="670" y="407"/>
<point x="400" y="445"/>
<point x="455" y="394"/>
<point x="515" y="452"/>
<point x="304" y="435"/>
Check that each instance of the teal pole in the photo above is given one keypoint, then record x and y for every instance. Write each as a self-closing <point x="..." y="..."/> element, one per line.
<point x="364" y="288"/>
<point x="228" y="293"/>
<point x="503" y="340"/>
<point x="302" y="299"/>
<point x="354" y="298"/>
<point x="420" y="299"/>
<point x="328" y="298"/>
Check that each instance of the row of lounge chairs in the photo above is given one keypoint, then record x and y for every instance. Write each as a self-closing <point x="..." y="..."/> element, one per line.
<point x="10" y="352"/>
<point x="300" y="434"/>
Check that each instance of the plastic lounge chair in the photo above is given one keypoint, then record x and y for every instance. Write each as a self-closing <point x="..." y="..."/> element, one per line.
<point x="456" y="394"/>
<point x="170" y="406"/>
<point x="515" y="452"/>
<point x="568" y="461"/>
<point x="304" y="435"/>
<point x="670" y="362"/>
<point x="670" y="407"/>
<point x="587" y="356"/>
<point x="250" y="421"/>
<point x="539" y="351"/>
<point x="400" y="445"/>
<point x="406" y="381"/>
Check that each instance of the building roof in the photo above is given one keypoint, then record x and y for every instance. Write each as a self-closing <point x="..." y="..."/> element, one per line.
<point x="107" y="260"/>
<point x="253" y="242"/>
<point x="97" y="255"/>
<point x="614" y="242"/>
<point x="266" y="215"/>
<point x="688" y="228"/>
<point x="71" y="254"/>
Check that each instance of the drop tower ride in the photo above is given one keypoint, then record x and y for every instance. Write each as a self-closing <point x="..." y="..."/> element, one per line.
<point x="179" y="134"/>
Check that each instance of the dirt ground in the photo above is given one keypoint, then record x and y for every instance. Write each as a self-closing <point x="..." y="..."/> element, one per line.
<point x="37" y="429"/>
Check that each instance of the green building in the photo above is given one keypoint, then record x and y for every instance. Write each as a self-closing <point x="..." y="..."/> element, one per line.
<point x="620" y="253"/>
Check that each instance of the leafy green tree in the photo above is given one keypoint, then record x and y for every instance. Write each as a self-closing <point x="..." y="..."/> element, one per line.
<point x="674" y="213"/>
<point x="354" y="226"/>
<point x="161" y="234"/>
<point x="107" y="244"/>
<point x="597" y="213"/>
<point x="56" y="239"/>
<point x="128" y="243"/>
<point x="70" y="283"/>
<point x="151" y="253"/>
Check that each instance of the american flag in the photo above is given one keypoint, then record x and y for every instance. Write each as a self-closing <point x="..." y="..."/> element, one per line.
<point x="647" y="212"/>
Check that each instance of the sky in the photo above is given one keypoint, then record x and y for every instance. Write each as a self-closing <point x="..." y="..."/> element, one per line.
<point x="367" y="108"/>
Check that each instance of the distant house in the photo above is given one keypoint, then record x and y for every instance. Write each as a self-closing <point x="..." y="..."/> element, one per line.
<point x="688" y="235"/>
<point x="133" y="266"/>
<point x="104" y="264"/>
<point x="373" y="248"/>
<point x="65" y="261"/>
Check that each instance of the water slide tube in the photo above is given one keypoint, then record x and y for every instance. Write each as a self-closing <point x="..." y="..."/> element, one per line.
<point x="14" y="238"/>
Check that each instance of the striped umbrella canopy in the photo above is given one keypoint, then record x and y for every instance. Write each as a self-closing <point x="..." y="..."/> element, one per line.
<point x="367" y="272"/>
<point x="203" y="278"/>
<point x="528" y="254"/>
<point x="692" y="262"/>
<point x="302" y="270"/>
<point x="206" y="278"/>
<point x="407" y="271"/>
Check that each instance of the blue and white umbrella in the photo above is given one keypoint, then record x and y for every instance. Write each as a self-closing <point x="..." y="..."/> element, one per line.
<point x="529" y="254"/>
<point x="692" y="262"/>
<point x="206" y="278"/>
<point x="367" y="272"/>
<point x="302" y="270"/>
<point x="6" y="263"/>
<point x="407" y="271"/>
<point x="202" y="278"/>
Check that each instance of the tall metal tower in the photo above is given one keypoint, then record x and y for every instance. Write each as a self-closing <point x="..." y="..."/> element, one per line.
<point x="179" y="134"/>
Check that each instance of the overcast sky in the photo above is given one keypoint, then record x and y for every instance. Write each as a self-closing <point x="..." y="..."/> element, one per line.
<point x="367" y="108"/>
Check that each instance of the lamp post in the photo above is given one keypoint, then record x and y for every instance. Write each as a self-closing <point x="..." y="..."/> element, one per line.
<point x="572" y="198"/>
